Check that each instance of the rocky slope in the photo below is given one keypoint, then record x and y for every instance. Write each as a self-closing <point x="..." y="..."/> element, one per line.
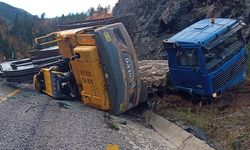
<point x="158" y="19"/>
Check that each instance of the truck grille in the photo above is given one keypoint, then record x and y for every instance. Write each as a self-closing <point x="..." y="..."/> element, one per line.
<point x="224" y="77"/>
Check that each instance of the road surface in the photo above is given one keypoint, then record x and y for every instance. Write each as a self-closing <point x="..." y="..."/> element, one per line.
<point x="30" y="120"/>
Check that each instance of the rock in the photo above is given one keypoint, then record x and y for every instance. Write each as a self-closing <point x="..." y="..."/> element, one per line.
<point x="159" y="19"/>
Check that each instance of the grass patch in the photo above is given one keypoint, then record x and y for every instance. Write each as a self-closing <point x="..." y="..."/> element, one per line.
<point x="110" y="122"/>
<point x="228" y="128"/>
<point x="201" y="119"/>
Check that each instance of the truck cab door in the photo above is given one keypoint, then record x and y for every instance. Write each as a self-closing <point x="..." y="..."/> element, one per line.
<point x="186" y="75"/>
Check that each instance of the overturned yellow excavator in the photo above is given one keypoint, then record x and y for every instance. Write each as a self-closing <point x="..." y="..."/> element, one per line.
<point x="99" y="66"/>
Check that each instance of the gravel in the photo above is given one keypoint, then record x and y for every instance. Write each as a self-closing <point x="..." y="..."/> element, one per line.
<point x="35" y="121"/>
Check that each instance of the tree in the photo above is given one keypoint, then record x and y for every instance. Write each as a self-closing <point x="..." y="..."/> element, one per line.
<point x="91" y="11"/>
<point x="22" y="29"/>
<point x="43" y="16"/>
<point x="15" y="27"/>
<point x="107" y="9"/>
<point x="100" y="9"/>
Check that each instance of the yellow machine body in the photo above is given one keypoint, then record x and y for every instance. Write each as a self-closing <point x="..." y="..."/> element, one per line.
<point x="55" y="83"/>
<point x="48" y="82"/>
<point x="47" y="86"/>
<point x="103" y="64"/>
<point x="87" y="70"/>
<point x="69" y="39"/>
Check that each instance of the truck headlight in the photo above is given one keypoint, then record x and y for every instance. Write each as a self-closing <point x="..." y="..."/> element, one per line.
<point x="214" y="95"/>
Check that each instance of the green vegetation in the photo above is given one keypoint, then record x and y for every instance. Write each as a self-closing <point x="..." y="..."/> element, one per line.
<point x="7" y="48"/>
<point x="22" y="29"/>
<point x="201" y="120"/>
<point x="110" y="122"/>
<point x="113" y="125"/>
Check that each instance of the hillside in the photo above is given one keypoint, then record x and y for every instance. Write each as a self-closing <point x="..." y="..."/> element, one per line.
<point x="15" y="31"/>
<point x="10" y="44"/>
<point x="8" y="13"/>
<point x="18" y="28"/>
<point x="3" y="34"/>
<point x="158" y="19"/>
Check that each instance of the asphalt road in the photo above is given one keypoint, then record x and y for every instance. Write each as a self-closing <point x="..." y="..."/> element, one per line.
<point x="5" y="88"/>
<point x="35" y="121"/>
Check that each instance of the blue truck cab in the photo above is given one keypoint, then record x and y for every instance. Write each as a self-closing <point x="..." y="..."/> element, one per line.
<point x="207" y="57"/>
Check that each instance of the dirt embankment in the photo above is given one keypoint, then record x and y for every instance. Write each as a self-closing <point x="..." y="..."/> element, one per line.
<point x="225" y="124"/>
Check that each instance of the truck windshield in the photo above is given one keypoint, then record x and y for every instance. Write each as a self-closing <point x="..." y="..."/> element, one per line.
<point x="219" y="54"/>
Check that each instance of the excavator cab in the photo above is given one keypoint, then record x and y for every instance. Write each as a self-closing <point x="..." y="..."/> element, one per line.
<point x="103" y="65"/>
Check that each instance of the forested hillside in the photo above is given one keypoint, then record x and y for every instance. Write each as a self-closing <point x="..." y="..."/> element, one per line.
<point x="10" y="46"/>
<point x="18" y="28"/>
